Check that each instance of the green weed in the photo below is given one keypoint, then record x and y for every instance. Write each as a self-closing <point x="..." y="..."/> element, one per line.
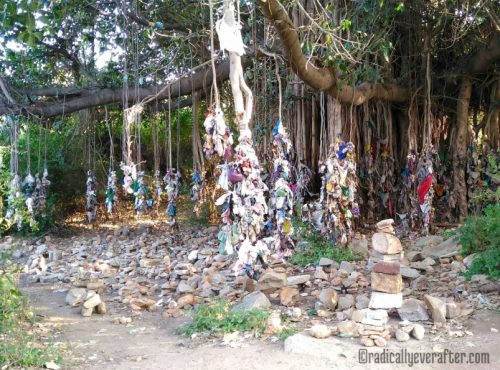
<point x="287" y="331"/>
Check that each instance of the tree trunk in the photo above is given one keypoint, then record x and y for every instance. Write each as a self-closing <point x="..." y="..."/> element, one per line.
<point x="460" y="148"/>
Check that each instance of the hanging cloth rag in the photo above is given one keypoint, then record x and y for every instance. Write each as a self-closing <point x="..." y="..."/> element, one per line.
<point x="424" y="188"/>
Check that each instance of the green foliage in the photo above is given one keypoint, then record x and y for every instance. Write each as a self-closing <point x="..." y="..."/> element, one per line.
<point x="287" y="331"/>
<point x="448" y="233"/>
<point x="487" y="262"/>
<point x="216" y="317"/>
<point x="481" y="233"/>
<point x="317" y="247"/>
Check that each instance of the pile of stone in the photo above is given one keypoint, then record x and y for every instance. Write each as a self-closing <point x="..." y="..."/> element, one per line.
<point x="386" y="280"/>
<point x="88" y="300"/>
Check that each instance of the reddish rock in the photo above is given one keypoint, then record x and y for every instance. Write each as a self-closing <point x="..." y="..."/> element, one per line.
<point x="391" y="268"/>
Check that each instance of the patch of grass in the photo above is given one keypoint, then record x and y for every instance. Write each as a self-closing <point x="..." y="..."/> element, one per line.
<point x="287" y="331"/>
<point x="449" y="233"/>
<point x="216" y="317"/>
<point x="318" y="246"/>
<point x="18" y="346"/>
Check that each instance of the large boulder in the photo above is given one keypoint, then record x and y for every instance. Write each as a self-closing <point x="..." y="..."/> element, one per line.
<point x="448" y="248"/>
<point x="272" y="280"/>
<point x="413" y="310"/>
<point x="437" y="307"/>
<point x="253" y="300"/>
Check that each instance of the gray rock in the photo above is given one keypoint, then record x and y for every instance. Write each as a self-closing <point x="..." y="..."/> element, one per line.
<point x="348" y="329"/>
<point x="409" y="273"/>
<point x="360" y="246"/>
<point x="418" y="332"/>
<point x="402" y="336"/>
<point x="75" y="296"/>
<point x="414" y="256"/>
<point x="184" y="287"/>
<point x="428" y="241"/>
<point x="329" y="298"/>
<point x="326" y="261"/>
<point x="413" y="310"/>
<point x="253" y="300"/>
<point x="303" y="344"/>
<point x="49" y="278"/>
<point x="346" y="266"/>
<point x="297" y="280"/>
<point x="437" y="307"/>
<point x="448" y="248"/>
<point x="345" y="302"/>
<point x="272" y="280"/>
<point x="362" y="301"/>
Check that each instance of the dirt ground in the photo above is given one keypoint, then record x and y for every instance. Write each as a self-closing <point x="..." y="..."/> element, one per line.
<point x="150" y="342"/>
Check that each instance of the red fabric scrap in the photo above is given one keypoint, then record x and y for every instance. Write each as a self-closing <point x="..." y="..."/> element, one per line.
<point x="424" y="188"/>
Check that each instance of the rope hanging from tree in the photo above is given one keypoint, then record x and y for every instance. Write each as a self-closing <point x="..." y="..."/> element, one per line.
<point x="91" y="180"/>
<point x="111" y="189"/>
<point x="15" y="196"/>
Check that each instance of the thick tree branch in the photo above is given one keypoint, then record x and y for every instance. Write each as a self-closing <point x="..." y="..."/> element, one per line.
<point x="323" y="79"/>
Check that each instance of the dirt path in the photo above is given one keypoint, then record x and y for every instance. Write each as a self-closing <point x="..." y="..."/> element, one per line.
<point x="150" y="342"/>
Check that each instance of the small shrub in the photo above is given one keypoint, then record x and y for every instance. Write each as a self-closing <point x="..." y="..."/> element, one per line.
<point x="318" y="246"/>
<point x="216" y="317"/>
<point x="481" y="233"/>
<point x="485" y="263"/>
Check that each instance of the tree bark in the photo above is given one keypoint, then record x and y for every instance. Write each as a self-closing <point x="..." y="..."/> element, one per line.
<point x="460" y="148"/>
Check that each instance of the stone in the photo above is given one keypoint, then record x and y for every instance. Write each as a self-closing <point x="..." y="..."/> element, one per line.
<point x="329" y="298"/>
<point x="428" y="261"/>
<point x="390" y="268"/>
<point x="413" y="310"/>
<point x="357" y="315"/>
<point x="453" y="310"/>
<point x="348" y="329"/>
<point x="346" y="266"/>
<point x="92" y="301"/>
<point x="386" y="283"/>
<point x="87" y="312"/>
<point x="380" y="342"/>
<point x="428" y="241"/>
<point x="101" y="308"/>
<point x="362" y="301"/>
<point x="409" y="273"/>
<point x="186" y="300"/>
<point x="298" y="279"/>
<point x="49" y="278"/>
<point x="437" y="307"/>
<point x="386" y="243"/>
<point x="288" y="295"/>
<point x="367" y="342"/>
<point x="253" y="300"/>
<point x="447" y="248"/>
<point x="272" y="280"/>
<point x="320" y="331"/>
<point x="274" y="323"/>
<point x="418" y="332"/>
<point x="345" y="302"/>
<point x="414" y="256"/>
<point x="75" y="296"/>
<point x="184" y="287"/>
<point x="420" y="283"/>
<point x="360" y="246"/>
<point x="326" y="261"/>
<point x="320" y="274"/>
<point x="95" y="285"/>
<point x="193" y="256"/>
<point x="468" y="260"/>
<point x="329" y="348"/>
<point x="385" y="300"/>
<point x="402" y="336"/>
<point x="458" y="266"/>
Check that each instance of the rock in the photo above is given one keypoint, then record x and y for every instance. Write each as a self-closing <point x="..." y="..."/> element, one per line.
<point x="357" y="315"/>
<point x="75" y="296"/>
<point x="418" y="332"/>
<point x="320" y="274"/>
<point x="345" y="302"/>
<point x="410" y="273"/>
<point x="348" y="329"/>
<point x="297" y="280"/>
<point x="272" y="280"/>
<point x="360" y="246"/>
<point x="380" y="342"/>
<point x="402" y="336"/>
<point x="303" y="344"/>
<point x="458" y="266"/>
<point x="386" y="283"/>
<point x="184" y="287"/>
<point x="320" y="331"/>
<point x="428" y="241"/>
<point x="49" y="278"/>
<point x="101" y="308"/>
<point x="437" y="307"/>
<point x="87" y="312"/>
<point x="414" y="256"/>
<point x="274" y="323"/>
<point x="413" y="310"/>
<point x="428" y="261"/>
<point x="95" y="285"/>
<point x="253" y="300"/>
<point x="288" y="295"/>
<point x="329" y="298"/>
<point x="92" y="301"/>
<point x="468" y="260"/>
<point x="326" y="262"/>
<point x="346" y="266"/>
<point x="452" y="310"/>
<point x="362" y="301"/>
<point x="193" y="256"/>
<point x="386" y="243"/>
<point x="385" y="300"/>
<point x="390" y="268"/>
<point x="367" y="342"/>
<point x="420" y="283"/>
<point x="448" y="248"/>
<point x="186" y="300"/>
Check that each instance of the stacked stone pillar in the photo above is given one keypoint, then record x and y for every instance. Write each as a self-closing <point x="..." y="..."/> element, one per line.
<point x="386" y="282"/>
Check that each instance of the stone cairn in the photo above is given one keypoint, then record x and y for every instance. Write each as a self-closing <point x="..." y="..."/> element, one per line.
<point x="385" y="264"/>
<point x="87" y="294"/>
